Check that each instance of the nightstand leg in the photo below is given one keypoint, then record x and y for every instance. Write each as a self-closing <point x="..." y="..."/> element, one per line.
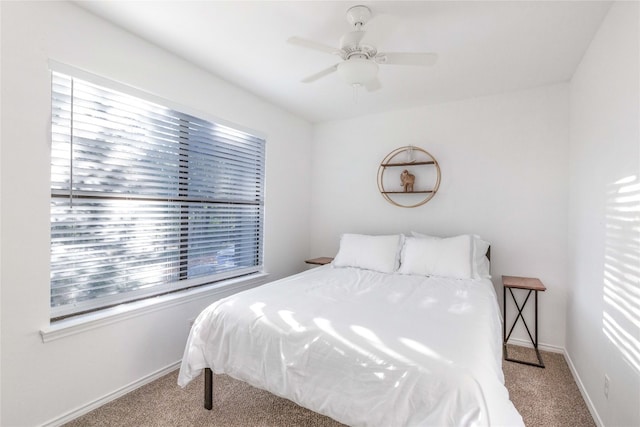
<point x="504" y="322"/>
<point x="506" y="336"/>
<point x="540" y="363"/>
<point x="535" y="344"/>
<point x="504" y="319"/>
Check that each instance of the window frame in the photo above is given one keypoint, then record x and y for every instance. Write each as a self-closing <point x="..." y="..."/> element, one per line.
<point x="69" y="310"/>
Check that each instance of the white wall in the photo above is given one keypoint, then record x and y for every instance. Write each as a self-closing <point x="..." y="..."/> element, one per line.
<point x="41" y="382"/>
<point x="504" y="176"/>
<point x="603" y="317"/>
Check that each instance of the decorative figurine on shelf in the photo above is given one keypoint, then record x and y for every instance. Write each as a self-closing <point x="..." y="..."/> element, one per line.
<point x="407" y="180"/>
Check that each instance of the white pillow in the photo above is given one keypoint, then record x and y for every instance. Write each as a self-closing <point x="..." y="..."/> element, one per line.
<point x="378" y="253"/>
<point x="479" y="262"/>
<point x="449" y="257"/>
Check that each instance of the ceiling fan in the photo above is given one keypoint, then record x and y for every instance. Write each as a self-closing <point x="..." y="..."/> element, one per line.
<point x="360" y="60"/>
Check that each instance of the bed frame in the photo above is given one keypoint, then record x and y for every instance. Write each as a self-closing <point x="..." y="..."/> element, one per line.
<point x="208" y="388"/>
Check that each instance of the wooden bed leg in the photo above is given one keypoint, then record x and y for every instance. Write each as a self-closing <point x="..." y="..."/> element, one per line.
<point x="208" y="388"/>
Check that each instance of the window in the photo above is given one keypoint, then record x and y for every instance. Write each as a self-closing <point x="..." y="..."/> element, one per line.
<point x="146" y="200"/>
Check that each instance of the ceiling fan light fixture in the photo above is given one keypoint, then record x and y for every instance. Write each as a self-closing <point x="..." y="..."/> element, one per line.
<point x="360" y="59"/>
<point x="358" y="72"/>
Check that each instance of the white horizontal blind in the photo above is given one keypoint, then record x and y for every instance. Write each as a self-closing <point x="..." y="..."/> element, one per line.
<point x="146" y="200"/>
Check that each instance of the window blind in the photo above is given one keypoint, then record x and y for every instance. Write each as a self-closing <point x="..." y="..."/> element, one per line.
<point x="145" y="199"/>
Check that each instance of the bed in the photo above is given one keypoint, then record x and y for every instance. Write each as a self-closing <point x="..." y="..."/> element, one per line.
<point x="397" y="331"/>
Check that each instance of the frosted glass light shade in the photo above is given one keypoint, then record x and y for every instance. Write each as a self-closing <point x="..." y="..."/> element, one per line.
<point x="358" y="71"/>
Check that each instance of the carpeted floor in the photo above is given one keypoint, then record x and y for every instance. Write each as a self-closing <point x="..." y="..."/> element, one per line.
<point x="545" y="397"/>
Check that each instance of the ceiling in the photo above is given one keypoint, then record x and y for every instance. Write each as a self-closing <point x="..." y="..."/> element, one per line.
<point x="483" y="47"/>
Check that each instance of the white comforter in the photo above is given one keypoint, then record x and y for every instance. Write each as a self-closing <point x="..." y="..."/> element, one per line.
<point x="364" y="348"/>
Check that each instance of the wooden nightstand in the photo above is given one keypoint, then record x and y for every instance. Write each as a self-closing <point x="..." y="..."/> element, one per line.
<point x="319" y="261"/>
<point x="528" y="284"/>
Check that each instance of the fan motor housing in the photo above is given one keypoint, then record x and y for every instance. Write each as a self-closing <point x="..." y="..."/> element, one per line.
<point x="350" y="45"/>
<point x="362" y="51"/>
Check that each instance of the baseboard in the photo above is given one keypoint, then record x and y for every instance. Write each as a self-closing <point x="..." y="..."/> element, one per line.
<point x="583" y="391"/>
<point x="541" y="346"/>
<point x="72" y="415"/>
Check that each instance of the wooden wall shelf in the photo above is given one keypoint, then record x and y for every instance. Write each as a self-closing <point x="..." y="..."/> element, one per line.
<point x="386" y="165"/>
<point x="411" y="158"/>
<point x="407" y="192"/>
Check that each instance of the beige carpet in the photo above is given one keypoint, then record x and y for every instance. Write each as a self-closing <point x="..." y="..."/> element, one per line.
<point x="544" y="397"/>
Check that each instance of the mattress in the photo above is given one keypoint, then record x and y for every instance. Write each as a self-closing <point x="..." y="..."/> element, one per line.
<point x="362" y="347"/>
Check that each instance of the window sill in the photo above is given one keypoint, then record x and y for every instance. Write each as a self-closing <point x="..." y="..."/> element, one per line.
<point x="86" y="322"/>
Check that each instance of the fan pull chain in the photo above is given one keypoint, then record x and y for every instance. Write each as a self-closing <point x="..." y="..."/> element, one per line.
<point x="355" y="92"/>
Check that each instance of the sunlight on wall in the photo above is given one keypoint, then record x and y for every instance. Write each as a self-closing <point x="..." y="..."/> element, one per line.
<point x="621" y="316"/>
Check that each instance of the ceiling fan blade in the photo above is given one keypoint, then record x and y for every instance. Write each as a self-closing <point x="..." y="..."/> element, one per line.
<point x="314" y="45"/>
<point x="373" y="85"/>
<point x="401" y="58"/>
<point x="316" y="76"/>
